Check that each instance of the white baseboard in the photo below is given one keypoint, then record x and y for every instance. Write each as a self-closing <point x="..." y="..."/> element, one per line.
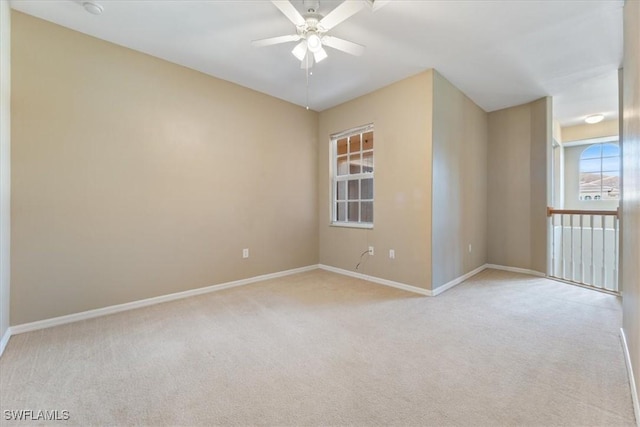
<point x="457" y="281"/>
<point x="632" y="382"/>
<point x="516" y="270"/>
<point x="5" y="340"/>
<point x="48" y="323"/>
<point x="377" y="280"/>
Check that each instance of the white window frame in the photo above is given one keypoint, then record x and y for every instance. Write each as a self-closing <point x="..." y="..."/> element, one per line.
<point x="335" y="178"/>
<point x="588" y="144"/>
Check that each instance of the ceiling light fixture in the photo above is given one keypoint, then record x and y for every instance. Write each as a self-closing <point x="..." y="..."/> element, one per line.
<point x="93" y="7"/>
<point x="313" y="42"/>
<point x="300" y="51"/>
<point x="594" y="118"/>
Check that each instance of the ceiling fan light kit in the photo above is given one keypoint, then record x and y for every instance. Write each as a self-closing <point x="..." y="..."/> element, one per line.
<point x="311" y="29"/>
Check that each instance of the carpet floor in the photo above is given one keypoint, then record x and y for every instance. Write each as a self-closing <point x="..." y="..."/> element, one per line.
<point x="318" y="348"/>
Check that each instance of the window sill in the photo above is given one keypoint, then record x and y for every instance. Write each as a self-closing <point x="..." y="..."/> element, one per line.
<point x="351" y="225"/>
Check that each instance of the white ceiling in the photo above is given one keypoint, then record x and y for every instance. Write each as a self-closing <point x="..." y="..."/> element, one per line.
<point x="499" y="53"/>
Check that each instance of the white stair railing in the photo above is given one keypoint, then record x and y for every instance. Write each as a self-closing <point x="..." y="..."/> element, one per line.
<point x="584" y="247"/>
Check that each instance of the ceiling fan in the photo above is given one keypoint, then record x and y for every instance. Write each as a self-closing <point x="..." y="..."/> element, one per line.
<point x="312" y="28"/>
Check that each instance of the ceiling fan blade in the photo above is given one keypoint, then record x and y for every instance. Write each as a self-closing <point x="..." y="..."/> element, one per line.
<point x="289" y="11"/>
<point x="345" y="10"/>
<point x="343" y="45"/>
<point x="377" y="4"/>
<point x="300" y="51"/>
<point x="275" y="40"/>
<point x="320" y="55"/>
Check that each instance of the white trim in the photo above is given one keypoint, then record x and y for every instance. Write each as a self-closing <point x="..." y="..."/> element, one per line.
<point x="632" y="382"/>
<point x="5" y="340"/>
<point x="352" y="131"/>
<point x="440" y="289"/>
<point x="516" y="270"/>
<point x="364" y="225"/>
<point x="377" y="280"/>
<point x="599" y="140"/>
<point x="48" y="323"/>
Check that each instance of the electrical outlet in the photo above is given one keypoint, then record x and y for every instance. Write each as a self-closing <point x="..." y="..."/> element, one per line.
<point x="371" y="250"/>
<point x="469" y="247"/>
<point x="245" y="253"/>
<point x="392" y="253"/>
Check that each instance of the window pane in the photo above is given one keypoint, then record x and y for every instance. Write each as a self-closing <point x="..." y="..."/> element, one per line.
<point x="341" y="211"/>
<point x="611" y="163"/>
<point x="367" y="143"/>
<point x="342" y="146"/>
<point x="354" y="164"/>
<point x="354" y="193"/>
<point x="591" y="165"/>
<point x="341" y="190"/>
<point x="353" y="177"/>
<point x="367" y="162"/>
<point x="610" y="150"/>
<point x="366" y="211"/>
<point x="353" y="212"/>
<point x="590" y="182"/>
<point x="367" y="188"/>
<point x="592" y="152"/>
<point x="343" y="166"/>
<point x="354" y="144"/>
<point x="611" y="185"/>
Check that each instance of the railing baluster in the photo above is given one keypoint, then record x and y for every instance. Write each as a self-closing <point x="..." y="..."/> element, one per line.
<point x="553" y="245"/>
<point x="593" y="267"/>
<point x="581" y="251"/>
<point x="573" y="270"/>
<point x="589" y="221"/>
<point x="562" y="244"/>
<point x="615" y="254"/>
<point x="604" y="267"/>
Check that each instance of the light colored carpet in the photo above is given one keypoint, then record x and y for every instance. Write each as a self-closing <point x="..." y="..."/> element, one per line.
<point x="322" y="349"/>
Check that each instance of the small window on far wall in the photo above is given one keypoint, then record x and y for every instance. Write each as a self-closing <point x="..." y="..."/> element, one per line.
<point x="600" y="172"/>
<point x="352" y="178"/>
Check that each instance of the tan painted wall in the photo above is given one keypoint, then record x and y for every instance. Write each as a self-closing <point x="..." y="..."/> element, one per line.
<point x="631" y="185"/>
<point x="134" y="177"/>
<point x="401" y="114"/>
<point x="460" y="138"/>
<point x="587" y="131"/>
<point x="5" y="162"/>
<point x="517" y="185"/>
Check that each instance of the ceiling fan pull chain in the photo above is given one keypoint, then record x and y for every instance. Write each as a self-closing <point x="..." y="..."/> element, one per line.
<point x="306" y="72"/>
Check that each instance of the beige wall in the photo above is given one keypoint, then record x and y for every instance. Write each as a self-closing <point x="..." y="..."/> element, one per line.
<point x="631" y="186"/>
<point x="460" y="137"/>
<point x="517" y="185"/>
<point x="401" y="114"/>
<point x="588" y="131"/>
<point x="5" y="162"/>
<point x="134" y="177"/>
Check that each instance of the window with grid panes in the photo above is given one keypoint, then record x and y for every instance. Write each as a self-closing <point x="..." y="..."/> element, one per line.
<point x="600" y="172"/>
<point x="352" y="199"/>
